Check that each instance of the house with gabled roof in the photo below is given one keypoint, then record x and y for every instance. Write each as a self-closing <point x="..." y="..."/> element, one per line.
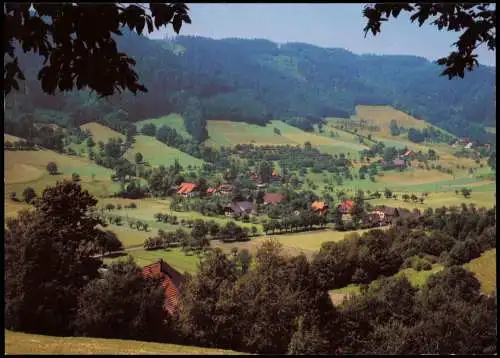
<point x="273" y="198"/>
<point x="345" y="207"/>
<point x="171" y="283"/>
<point x="238" y="208"/>
<point x="319" y="207"/>
<point x="187" y="189"/>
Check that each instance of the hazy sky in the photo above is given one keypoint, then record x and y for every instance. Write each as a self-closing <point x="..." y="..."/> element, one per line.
<point x="325" y="25"/>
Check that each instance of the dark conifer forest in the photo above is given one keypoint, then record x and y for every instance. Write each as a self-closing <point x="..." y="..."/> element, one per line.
<point x="256" y="81"/>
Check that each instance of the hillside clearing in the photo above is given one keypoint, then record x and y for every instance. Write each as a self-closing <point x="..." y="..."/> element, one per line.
<point x="438" y="200"/>
<point x="484" y="268"/>
<point x="11" y="138"/>
<point x="416" y="278"/>
<point x="101" y="132"/>
<point x="28" y="168"/>
<point x="412" y="177"/>
<point x="173" y="120"/>
<point x="22" y="343"/>
<point x="232" y="133"/>
<point x="157" y="153"/>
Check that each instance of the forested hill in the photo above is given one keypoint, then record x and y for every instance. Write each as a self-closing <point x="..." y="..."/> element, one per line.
<point x="257" y="80"/>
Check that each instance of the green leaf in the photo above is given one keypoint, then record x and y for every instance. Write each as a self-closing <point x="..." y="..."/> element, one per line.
<point x="15" y="84"/>
<point x="177" y="23"/>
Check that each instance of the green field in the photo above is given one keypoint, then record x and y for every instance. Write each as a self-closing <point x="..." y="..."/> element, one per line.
<point x="147" y="208"/>
<point x="173" y="120"/>
<point x="11" y="138"/>
<point x="293" y="243"/>
<point x="22" y="343"/>
<point x="175" y="257"/>
<point x="157" y="153"/>
<point x="484" y="267"/>
<point x="28" y="168"/>
<point x="232" y="133"/>
<point x="416" y="278"/>
<point x="101" y="132"/>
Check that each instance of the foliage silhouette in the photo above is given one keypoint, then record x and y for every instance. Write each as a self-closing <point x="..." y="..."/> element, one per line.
<point x="477" y="21"/>
<point x="75" y="40"/>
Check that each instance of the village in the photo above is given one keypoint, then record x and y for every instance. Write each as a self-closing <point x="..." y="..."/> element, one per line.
<point x="240" y="206"/>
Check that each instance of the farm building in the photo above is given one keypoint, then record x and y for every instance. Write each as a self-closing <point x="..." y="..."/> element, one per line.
<point x="399" y="163"/>
<point x="213" y="191"/>
<point x="275" y="177"/>
<point x="171" y="282"/>
<point x="273" y="198"/>
<point x="187" y="189"/>
<point x="225" y="189"/>
<point x="396" y="163"/>
<point x="345" y="207"/>
<point x="319" y="207"/>
<point x="238" y="208"/>
<point x="385" y="214"/>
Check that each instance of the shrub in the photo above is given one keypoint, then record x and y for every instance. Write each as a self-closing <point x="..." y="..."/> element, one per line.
<point x="52" y="168"/>
<point x="29" y="195"/>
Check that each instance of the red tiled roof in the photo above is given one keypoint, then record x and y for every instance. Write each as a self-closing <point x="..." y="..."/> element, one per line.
<point x="186" y="188"/>
<point x="273" y="198"/>
<point x="319" y="205"/>
<point x="348" y="203"/>
<point x="171" y="282"/>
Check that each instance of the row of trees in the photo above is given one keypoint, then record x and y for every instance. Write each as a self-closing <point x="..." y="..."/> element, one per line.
<point x="306" y="220"/>
<point x="19" y="145"/>
<point x="201" y="232"/>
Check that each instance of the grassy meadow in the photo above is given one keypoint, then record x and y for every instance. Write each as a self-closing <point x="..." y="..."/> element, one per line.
<point x="175" y="257"/>
<point x="101" y="132"/>
<point x="293" y="243"/>
<point x="173" y="120"/>
<point x="484" y="268"/>
<point x="28" y="168"/>
<point x="157" y="153"/>
<point x="416" y="278"/>
<point x="22" y="343"/>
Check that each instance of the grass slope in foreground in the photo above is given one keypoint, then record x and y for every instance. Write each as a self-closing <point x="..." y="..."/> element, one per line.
<point x="22" y="343"/>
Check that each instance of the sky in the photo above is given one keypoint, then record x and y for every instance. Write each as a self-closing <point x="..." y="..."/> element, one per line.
<point x="324" y="25"/>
